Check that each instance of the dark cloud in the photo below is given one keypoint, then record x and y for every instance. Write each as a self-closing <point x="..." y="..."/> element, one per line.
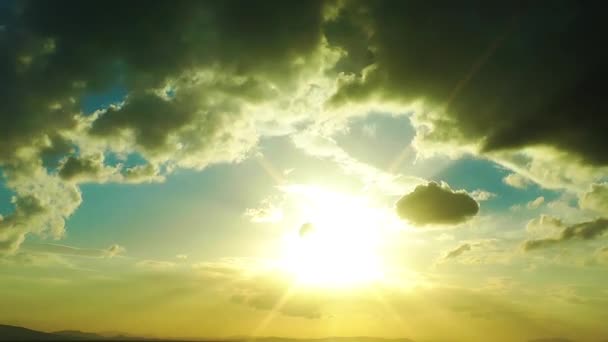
<point x="436" y="204"/>
<point x="306" y="229"/>
<point x="75" y="167"/>
<point x="205" y="79"/>
<point x="505" y="76"/>
<point x="192" y="71"/>
<point x="582" y="231"/>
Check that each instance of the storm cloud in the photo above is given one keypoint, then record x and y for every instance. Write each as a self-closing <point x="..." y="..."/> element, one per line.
<point x="532" y="76"/>
<point x="204" y="81"/>
<point x="190" y="94"/>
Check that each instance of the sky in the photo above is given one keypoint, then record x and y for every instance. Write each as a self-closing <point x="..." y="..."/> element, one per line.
<point x="432" y="171"/>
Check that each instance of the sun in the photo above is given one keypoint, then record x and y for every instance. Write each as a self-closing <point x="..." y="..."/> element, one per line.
<point x="338" y="242"/>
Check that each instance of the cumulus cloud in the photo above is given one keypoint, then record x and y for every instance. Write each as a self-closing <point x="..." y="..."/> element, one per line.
<point x="217" y="107"/>
<point x="537" y="202"/>
<point x="544" y="225"/>
<point x="482" y="195"/>
<point x="41" y="205"/>
<point x="516" y="180"/>
<point x="193" y="100"/>
<point x="436" y="204"/>
<point x="83" y="169"/>
<point x="596" y="198"/>
<point x="581" y="231"/>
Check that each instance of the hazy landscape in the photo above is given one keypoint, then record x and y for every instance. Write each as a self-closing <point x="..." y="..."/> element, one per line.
<point x="13" y="333"/>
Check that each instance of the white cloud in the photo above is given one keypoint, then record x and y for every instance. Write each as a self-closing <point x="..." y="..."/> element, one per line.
<point x="534" y="204"/>
<point x="482" y="195"/>
<point x="516" y="180"/>
<point x="596" y="199"/>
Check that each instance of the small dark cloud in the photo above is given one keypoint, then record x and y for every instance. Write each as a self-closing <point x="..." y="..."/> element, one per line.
<point x="82" y="168"/>
<point x="306" y="229"/>
<point x="581" y="231"/>
<point x="436" y="204"/>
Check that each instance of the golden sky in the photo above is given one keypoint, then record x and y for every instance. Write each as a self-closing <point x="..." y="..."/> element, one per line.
<point x="304" y="169"/>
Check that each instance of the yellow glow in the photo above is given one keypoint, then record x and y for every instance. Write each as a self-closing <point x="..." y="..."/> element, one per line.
<point x="341" y="248"/>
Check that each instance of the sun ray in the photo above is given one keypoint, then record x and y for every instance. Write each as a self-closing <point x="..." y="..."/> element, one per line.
<point x="273" y="312"/>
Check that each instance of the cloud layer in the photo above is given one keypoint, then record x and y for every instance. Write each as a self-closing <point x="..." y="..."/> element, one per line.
<point x="581" y="231"/>
<point x="205" y="80"/>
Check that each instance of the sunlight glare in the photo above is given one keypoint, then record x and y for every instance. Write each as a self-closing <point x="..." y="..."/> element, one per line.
<point x="338" y="243"/>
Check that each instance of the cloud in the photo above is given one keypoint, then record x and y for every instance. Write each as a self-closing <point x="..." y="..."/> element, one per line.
<point x="534" y="204"/>
<point x="217" y="108"/>
<point x="84" y="169"/>
<point x="581" y="231"/>
<point x="498" y="94"/>
<point x="263" y="288"/>
<point x="158" y="265"/>
<point x="315" y="143"/>
<point x="516" y="180"/>
<point x="596" y="198"/>
<point x="49" y="248"/>
<point x="306" y="229"/>
<point x="468" y="252"/>
<point x="482" y="195"/>
<point x="544" y="225"/>
<point x="115" y="250"/>
<point x="465" y="247"/>
<point x="41" y="205"/>
<point x="195" y="101"/>
<point x="436" y="204"/>
<point x="266" y="212"/>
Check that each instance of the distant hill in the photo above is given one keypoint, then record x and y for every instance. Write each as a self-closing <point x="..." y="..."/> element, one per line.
<point x="12" y="333"/>
<point x="333" y="339"/>
<point x="79" y="335"/>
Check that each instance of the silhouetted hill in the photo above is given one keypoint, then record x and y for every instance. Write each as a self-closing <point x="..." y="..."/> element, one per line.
<point x="80" y="335"/>
<point x="333" y="339"/>
<point x="12" y="333"/>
